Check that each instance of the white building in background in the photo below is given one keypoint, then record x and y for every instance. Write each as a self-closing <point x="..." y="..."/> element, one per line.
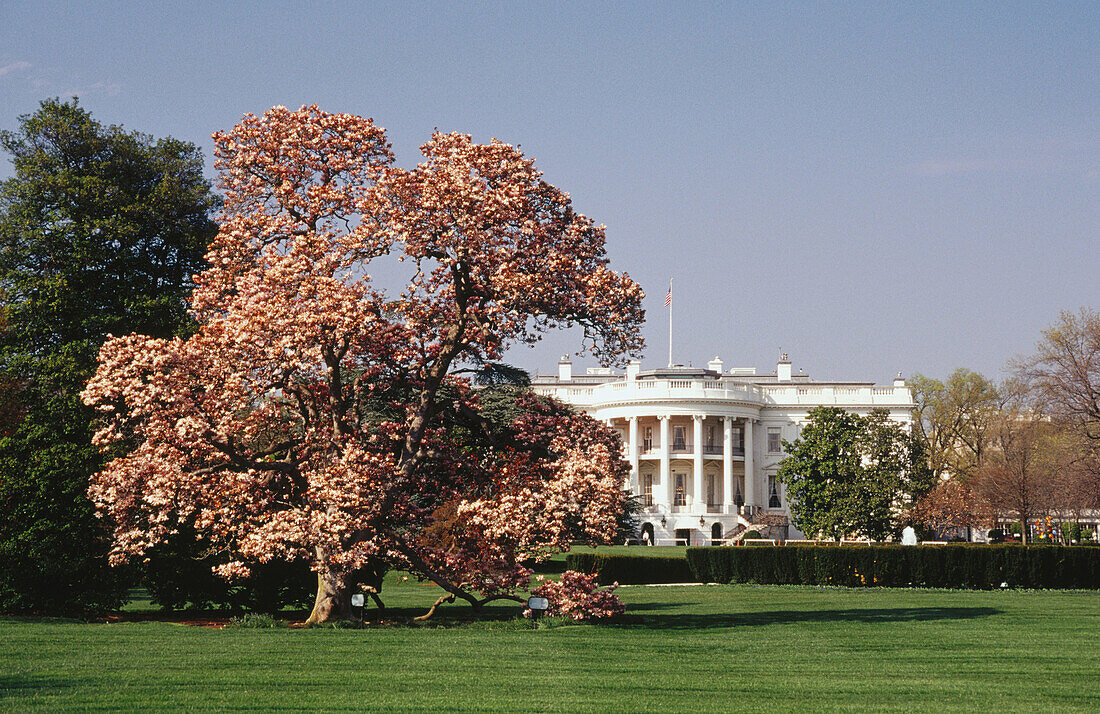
<point x="704" y="445"/>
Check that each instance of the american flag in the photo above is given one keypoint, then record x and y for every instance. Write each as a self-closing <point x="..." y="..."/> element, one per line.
<point x="668" y="298"/>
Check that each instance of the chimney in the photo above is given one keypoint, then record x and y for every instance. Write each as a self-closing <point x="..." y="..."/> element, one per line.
<point x="783" y="369"/>
<point x="715" y="365"/>
<point x="899" y="381"/>
<point x="565" y="369"/>
<point x="632" y="369"/>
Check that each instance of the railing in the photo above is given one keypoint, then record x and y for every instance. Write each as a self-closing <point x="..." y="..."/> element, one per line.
<point x="686" y="449"/>
<point x="680" y="389"/>
<point x="702" y="538"/>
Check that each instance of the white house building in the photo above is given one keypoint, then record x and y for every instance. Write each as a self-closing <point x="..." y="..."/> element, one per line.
<point x="704" y="445"/>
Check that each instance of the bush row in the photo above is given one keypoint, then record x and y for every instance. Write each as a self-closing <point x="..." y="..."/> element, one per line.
<point x="179" y="575"/>
<point x="958" y="566"/>
<point x="632" y="569"/>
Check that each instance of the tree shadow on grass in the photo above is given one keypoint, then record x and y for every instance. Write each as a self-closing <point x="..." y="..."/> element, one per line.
<point x="24" y="685"/>
<point x="453" y="615"/>
<point x="664" y="621"/>
<point x="635" y="607"/>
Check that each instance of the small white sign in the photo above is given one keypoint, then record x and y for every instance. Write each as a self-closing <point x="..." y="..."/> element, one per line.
<point x="538" y="603"/>
<point x="357" y="600"/>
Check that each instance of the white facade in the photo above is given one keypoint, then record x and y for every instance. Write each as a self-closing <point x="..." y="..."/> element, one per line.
<point x="704" y="445"/>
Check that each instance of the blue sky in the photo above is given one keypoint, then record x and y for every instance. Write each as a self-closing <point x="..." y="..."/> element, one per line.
<point x="871" y="187"/>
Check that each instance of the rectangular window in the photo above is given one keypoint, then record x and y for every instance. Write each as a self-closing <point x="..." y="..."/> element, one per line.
<point x="679" y="439"/>
<point x="681" y="490"/>
<point x="773" y="493"/>
<point x="738" y="440"/>
<point x="647" y="489"/>
<point x="710" y="436"/>
<point x="774" y="443"/>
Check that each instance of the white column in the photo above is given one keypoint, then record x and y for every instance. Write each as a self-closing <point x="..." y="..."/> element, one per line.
<point x="750" y="467"/>
<point x="632" y="450"/>
<point x="666" y="465"/>
<point x="727" y="465"/>
<point x="698" y="501"/>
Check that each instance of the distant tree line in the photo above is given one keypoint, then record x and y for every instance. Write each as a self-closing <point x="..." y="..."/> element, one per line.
<point x="1021" y="456"/>
<point x="1026" y="451"/>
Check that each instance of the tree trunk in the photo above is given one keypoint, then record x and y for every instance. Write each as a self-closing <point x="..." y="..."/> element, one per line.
<point x="333" y="601"/>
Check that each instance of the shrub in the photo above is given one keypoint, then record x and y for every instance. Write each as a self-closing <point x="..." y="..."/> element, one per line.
<point x="955" y="566"/>
<point x="176" y="581"/>
<point x="576" y="596"/>
<point x="631" y="569"/>
<point x="752" y="535"/>
<point x="996" y="535"/>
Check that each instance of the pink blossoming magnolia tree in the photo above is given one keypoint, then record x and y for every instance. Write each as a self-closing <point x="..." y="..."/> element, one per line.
<point x="315" y="413"/>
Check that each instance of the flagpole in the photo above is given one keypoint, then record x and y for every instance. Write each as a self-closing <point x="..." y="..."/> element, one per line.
<point x="670" y="322"/>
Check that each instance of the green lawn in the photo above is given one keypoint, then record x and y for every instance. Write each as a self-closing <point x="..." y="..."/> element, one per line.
<point x="697" y="648"/>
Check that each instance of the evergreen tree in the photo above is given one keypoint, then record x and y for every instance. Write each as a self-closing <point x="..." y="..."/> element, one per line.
<point x="852" y="475"/>
<point x="101" y="231"/>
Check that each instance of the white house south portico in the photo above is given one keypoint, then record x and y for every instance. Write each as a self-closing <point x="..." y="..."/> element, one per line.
<point x="704" y="445"/>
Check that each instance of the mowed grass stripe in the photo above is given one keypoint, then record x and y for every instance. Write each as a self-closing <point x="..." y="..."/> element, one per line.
<point x="702" y="648"/>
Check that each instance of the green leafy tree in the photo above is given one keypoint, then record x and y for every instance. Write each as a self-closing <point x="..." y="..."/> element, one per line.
<point x="852" y="475"/>
<point x="101" y="230"/>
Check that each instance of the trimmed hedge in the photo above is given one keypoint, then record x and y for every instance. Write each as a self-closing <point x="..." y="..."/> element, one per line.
<point x="954" y="566"/>
<point x="632" y="569"/>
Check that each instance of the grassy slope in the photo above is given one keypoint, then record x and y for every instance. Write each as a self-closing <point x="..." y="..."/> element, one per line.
<point x="700" y="648"/>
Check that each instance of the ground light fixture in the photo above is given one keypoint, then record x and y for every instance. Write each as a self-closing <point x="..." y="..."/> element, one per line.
<point x="538" y="607"/>
<point x="357" y="602"/>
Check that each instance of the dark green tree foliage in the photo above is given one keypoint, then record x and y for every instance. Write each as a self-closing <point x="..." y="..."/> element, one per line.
<point x="850" y="475"/>
<point x="100" y="232"/>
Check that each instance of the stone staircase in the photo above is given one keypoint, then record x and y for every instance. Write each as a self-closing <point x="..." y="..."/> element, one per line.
<point x="759" y="522"/>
